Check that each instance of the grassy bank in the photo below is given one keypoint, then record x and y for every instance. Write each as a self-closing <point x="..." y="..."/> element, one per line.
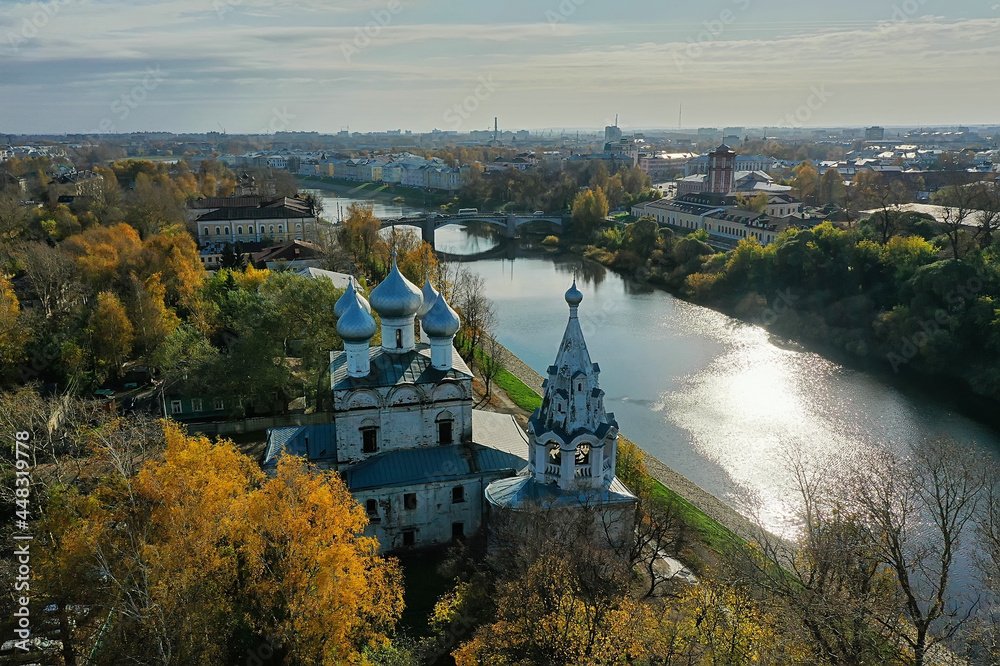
<point x="519" y="392"/>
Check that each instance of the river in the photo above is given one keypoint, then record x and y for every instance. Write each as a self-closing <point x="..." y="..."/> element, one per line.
<point x="716" y="399"/>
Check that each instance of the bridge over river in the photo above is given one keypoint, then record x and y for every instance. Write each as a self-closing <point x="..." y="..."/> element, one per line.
<point x="509" y="222"/>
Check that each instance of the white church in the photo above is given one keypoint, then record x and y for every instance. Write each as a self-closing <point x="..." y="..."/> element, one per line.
<point x="426" y="465"/>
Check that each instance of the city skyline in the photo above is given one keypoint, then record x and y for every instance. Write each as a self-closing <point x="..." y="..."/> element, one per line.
<point x="246" y="66"/>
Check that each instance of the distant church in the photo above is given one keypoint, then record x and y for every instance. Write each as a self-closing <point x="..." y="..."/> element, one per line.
<point x="422" y="462"/>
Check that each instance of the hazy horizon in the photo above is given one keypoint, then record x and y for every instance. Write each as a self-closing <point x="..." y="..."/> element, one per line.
<point x="250" y="66"/>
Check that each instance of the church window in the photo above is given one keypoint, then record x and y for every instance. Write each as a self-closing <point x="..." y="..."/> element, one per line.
<point x="279" y="228"/>
<point x="457" y="530"/>
<point x="239" y="230"/>
<point x="206" y="231"/>
<point x="555" y="456"/>
<point x="371" y="507"/>
<point x="218" y="231"/>
<point x="444" y="432"/>
<point x="399" y="338"/>
<point x="458" y="494"/>
<point x="227" y="231"/>
<point x="409" y="538"/>
<point x="410" y="501"/>
<point x="583" y="454"/>
<point x="369" y="439"/>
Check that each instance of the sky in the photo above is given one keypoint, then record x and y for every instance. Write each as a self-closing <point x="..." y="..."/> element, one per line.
<point x="257" y="66"/>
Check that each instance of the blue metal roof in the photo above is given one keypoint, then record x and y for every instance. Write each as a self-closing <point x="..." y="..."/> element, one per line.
<point x="314" y="442"/>
<point x="521" y="491"/>
<point x="412" y="367"/>
<point x="406" y="467"/>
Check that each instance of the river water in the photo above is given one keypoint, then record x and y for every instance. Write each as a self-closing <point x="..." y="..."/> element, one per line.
<point x="716" y="399"/>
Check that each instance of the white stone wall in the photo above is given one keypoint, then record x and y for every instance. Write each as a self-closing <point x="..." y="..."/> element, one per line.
<point x="406" y="416"/>
<point x="432" y="519"/>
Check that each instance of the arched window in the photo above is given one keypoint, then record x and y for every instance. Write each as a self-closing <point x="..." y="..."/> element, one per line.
<point x="369" y="439"/>
<point x="298" y="226"/>
<point x="555" y="456"/>
<point x="445" y="428"/>
<point x="272" y="228"/>
<point x="227" y="231"/>
<point x="399" y="338"/>
<point x="239" y="230"/>
<point x="279" y="228"/>
<point x="583" y="454"/>
<point x="262" y="229"/>
<point x="218" y="231"/>
<point x="206" y="231"/>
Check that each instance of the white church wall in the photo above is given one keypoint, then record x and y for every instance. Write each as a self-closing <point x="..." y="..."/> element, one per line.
<point x="432" y="520"/>
<point x="406" y="417"/>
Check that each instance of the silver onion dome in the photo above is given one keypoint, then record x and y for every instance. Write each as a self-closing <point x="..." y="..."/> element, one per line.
<point x="356" y="324"/>
<point x="573" y="296"/>
<point x="396" y="296"/>
<point x="441" y="321"/>
<point x="430" y="295"/>
<point x="344" y="301"/>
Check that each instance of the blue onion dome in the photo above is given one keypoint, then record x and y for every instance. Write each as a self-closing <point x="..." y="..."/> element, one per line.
<point x="356" y="324"/>
<point x="396" y="296"/>
<point x="573" y="296"/>
<point x="430" y="295"/>
<point x="441" y="321"/>
<point x="349" y="295"/>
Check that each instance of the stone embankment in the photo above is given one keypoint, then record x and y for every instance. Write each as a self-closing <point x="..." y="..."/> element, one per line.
<point x="704" y="501"/>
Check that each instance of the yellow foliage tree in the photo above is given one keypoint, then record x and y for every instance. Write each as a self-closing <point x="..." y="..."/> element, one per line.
<point x="104" y="254"/>
<point x="544" y="619"/>
<point x="13" y="332"/>
<point x="111" y="332"/>
<point x="314" y="583"/>
<point x="198" y="551"/>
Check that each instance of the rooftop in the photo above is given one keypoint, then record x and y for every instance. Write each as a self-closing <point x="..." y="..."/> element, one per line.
<point x="413" y="367"/>
<point x="505" y="451"/>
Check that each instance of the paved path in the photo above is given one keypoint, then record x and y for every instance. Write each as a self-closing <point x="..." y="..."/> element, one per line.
<point x="706" y="502"/>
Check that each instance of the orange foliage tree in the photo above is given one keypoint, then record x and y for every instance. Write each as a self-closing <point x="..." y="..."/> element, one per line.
<point x="195" y="556"/>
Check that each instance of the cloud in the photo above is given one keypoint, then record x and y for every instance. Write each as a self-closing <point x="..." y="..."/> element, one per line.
<point x="261" y="52"/>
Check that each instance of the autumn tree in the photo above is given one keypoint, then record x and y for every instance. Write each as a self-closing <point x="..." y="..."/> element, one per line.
<point x="359" y="235"/>
<point x="756" y="204"/>
<point x="111" y="333"/>
<point x="831" y="187"/>
<point x="874" y="190"/>
<point x="13" y="332"/>
<point x="918" y="512"/>
<point x="312" y="580"/>
<point x="806" y="182"/>
<point x="590" y="210"/>
<point x="958" y="205"/>
<point x="186" y="554"/>
<point x="987" y="217"/>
